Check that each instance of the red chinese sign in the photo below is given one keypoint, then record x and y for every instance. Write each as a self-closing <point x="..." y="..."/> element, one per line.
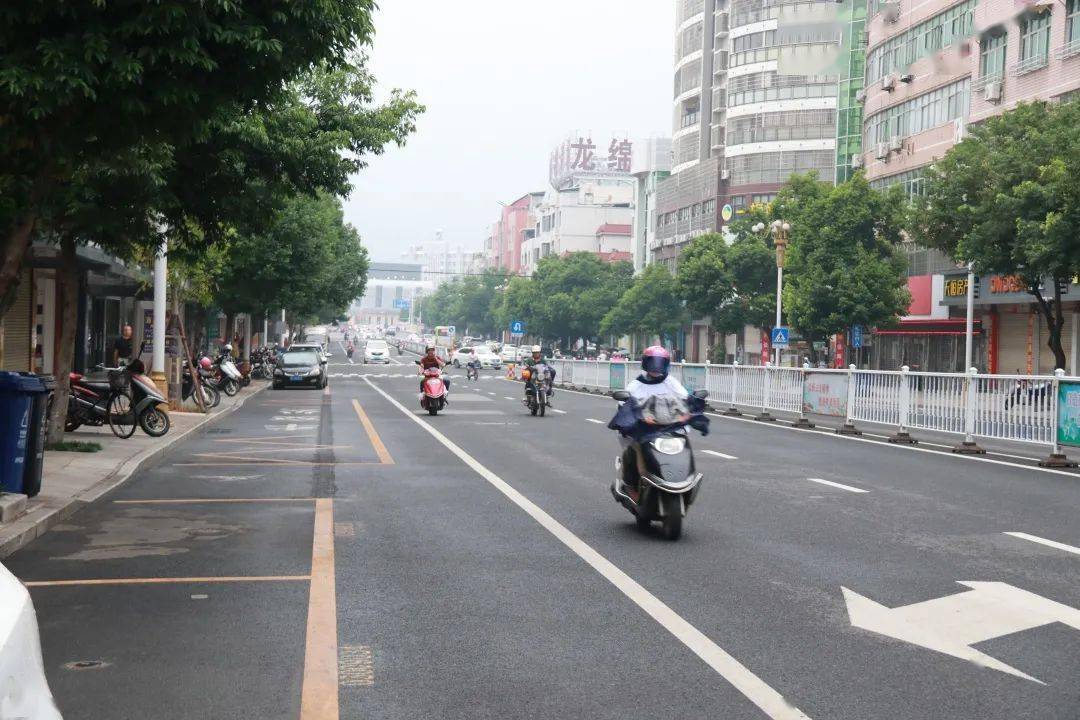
<point x="840" y="356"/>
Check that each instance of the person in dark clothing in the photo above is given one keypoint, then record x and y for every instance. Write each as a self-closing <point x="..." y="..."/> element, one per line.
<point x="123" y="347"/>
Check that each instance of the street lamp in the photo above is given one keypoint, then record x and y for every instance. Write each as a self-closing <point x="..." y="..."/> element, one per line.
<point x="779" y="230"/>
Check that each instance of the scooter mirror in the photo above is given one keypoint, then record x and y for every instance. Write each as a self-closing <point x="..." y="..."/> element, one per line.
<point x="701" y="394"/>
<point x="416" y="361"/>
<point x="621" y="395"/>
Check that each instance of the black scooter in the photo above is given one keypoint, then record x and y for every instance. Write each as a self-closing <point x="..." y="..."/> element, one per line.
<point x="656" y="478"/>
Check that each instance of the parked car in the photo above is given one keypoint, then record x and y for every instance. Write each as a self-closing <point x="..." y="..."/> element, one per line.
<point x="508" y="354"/>
<point x="376" y="351"/>
<point x="24" y="691"/>
<point x="300" y="368"/>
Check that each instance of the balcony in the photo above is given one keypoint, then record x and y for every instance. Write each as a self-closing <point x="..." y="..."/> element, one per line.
<point x="1068" y="49"/>
<point x="1029" y="65"/>
<point x="985" y="80"/>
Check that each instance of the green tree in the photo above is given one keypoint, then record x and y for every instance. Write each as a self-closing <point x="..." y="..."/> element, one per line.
<point x="651" y="306"/>
<point x="1007" y="200"/>
<point x="573" y="293"/>
<point x="843" y="266"/>
<point x="87" y="80"/>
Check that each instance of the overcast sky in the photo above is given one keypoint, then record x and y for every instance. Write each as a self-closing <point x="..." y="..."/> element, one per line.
<point x="504" y="82"/>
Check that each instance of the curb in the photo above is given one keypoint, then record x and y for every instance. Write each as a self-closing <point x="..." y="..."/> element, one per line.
<point x="120" y="475"/>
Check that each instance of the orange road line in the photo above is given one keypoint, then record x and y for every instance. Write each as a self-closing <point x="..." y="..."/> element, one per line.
<point x="319" y="693"/>
<point x="182" y="501"/>
<point x="158" y="581"/>
<point x="376" y="441"/>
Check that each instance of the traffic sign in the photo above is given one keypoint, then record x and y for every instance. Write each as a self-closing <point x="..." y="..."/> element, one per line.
<point x="856" y="336"/>
<point x="451" y="330"/>
<point x="780" y="337"/>
<point x="401" y="303"/>
<point x="517" y="328"/>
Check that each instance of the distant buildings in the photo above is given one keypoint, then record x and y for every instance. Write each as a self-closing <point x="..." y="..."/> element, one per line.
<point x="650" y="165"/>
<point x="392" y="291"/>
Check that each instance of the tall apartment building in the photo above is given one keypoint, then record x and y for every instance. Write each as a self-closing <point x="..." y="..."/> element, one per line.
<point x="650" y="166"/>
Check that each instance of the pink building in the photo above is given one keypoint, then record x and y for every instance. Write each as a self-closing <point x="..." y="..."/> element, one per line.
<point x="516" y="222"/>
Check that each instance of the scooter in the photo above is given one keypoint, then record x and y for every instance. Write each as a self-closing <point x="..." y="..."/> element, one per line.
<point x="150" y="407"/>
<point x="433" y="397"/>
<point x="472" y="370"/>
<point x="349" y="350"/>
<point x="656" y="478"/>
<point x="210" y="395"/>
<point x="230" y="378"/>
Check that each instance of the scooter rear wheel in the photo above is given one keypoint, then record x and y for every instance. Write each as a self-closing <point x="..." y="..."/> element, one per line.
<point x="122" y="415"/>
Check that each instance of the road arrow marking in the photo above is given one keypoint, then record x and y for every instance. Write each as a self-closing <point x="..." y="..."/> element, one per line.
<point x="290" y="427"/>
<point x="952" y="624"/>
<point x="1044" y="541"/>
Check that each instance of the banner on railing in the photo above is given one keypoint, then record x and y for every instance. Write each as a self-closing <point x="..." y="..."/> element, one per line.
<point x="566" y="373"/>
<point x="617" y="376"/>
<point x="693" y="378"/>
<point x="1068" y="419"/>
<point x="825" y="394"/>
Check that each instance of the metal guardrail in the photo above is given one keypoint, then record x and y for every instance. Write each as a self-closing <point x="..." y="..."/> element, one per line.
<point x="1018" y="408"/>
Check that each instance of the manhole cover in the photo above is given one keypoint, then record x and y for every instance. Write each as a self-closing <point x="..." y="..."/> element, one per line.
<point x="86" y="665"/>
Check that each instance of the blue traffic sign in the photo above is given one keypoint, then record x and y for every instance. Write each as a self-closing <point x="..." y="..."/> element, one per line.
<point x="401" y="303"/>
<point x="856" y="336"/>
<point x="780" y="337"/>
<point x="517" y="328"/>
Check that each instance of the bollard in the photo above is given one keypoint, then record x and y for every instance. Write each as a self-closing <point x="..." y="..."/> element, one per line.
<point x="848" y="428"/>
<point x="1057" y="459"/>
<point x="733" y="411"/>
<point x="902" y="435"/>
<point x="803" y="422"/>
<point x="764" y="415"/>
<point x="969" y="446"/>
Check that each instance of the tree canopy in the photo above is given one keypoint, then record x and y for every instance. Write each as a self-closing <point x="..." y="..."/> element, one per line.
<point x="650" y="307"/>
<point x="1007" y="200"/>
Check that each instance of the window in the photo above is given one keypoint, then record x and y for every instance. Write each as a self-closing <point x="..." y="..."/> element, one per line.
<point x="920" y="113"/>
<point x="912" y="181"/>
<point x="926" y="38"/>
<point x="763" y="199"/>
<point x="1034" y="42"/>
<point x="992" y="59"/>
<point x="1072" y="24"/>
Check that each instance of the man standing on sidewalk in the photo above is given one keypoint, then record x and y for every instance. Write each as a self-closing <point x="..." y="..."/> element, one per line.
<point x="122" y="348"/>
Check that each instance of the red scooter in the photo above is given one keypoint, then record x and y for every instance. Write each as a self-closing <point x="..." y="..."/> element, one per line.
<point x="433" y="397"/>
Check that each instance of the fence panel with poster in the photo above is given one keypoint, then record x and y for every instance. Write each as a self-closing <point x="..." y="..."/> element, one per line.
<point x="826" y="393"/>
<point x="1068" y="416"/>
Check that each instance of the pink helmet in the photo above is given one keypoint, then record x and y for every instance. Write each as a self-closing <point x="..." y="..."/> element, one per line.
<point x="656" y="360"/>
<point x="205" y="363"/>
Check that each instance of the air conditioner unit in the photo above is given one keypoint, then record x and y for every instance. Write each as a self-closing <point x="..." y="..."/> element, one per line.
<point x="882" y="151"/>
<point x="856" y="161"/>
<point x="860" y="95"/>
<point x="888" y="83"/>
<point x="992" y="92"/>
<point x="896" y="143"/>
<point x="907" y="78"/>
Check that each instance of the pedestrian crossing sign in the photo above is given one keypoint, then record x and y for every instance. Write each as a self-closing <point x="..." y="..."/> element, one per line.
<point x="780" y="337"/>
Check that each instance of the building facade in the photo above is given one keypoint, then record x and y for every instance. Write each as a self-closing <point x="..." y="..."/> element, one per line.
<point x="651" y="165"/>
<point x="392" y="291"/>
<point x="516" y="224"/>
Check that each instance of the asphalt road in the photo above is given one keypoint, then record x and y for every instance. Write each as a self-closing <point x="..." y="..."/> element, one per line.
<point x="323" y="555"/>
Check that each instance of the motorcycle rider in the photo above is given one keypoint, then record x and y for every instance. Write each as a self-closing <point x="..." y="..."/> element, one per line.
<point x="655" y="381"/>
<point x="537" y="358"/>
<point x="431" y="360"/>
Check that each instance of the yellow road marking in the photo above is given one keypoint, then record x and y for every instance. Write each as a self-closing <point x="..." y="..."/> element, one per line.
<point x="255" y="462"/>
<point x="159" y="581"/>
<point x="183" y="501"/>
<point x="376" y="441"/>
<point x="319" y="695"/>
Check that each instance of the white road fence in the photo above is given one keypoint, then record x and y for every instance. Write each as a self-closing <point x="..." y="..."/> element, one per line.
<point x="1022" y="408"/>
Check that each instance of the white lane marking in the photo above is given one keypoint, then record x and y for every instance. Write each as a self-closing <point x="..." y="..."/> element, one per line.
<point x="830" y="483"/>
<point x="1044" y="541"/>
<point x="561" y="412"/>
<point x="491" y="393"/>
<point x="507" y="397"/>
<point x="594" y="420"/>
<point x="771" y="702"/>
<point x="720" y="454"/>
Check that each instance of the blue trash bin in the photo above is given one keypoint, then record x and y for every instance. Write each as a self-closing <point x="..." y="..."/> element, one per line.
<point x="16" y="403"/>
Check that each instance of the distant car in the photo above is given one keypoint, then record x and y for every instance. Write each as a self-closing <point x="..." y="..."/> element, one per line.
<point x="24" y="691"/>
<point x="300" y="368"/>
<point x="508" y="354"/>
<point x="488" y="359"/>
<point x="462" y="356"/>
<point x="376" y="351"/>
<point x="313" y="347"/>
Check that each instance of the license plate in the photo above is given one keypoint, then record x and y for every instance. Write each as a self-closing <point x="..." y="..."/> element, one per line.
<point x="297" y="378"/>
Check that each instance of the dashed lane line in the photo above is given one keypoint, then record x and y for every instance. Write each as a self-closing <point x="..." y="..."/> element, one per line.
<point x="720" y="454"/>
<point x="837" y="485"/>
<point x="1044" y="541"/>
<point x="594" y="420"/>
<point x="765" y="697"/>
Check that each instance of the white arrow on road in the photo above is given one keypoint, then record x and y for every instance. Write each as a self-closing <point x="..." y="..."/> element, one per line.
<point x="291" y="427"/>
<point x="952" y="624"/>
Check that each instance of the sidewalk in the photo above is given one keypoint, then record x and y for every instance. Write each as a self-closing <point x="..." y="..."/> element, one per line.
<point x="72" y="480"/>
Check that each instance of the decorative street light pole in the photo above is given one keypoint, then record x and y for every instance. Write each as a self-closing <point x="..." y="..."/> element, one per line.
<point x="779" y="230"/>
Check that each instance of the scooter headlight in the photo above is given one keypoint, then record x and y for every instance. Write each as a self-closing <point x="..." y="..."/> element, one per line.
<point x="669" y="445"/>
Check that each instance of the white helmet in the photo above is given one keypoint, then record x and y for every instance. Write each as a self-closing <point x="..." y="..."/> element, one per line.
<point x="227" y="347"/>
<point x="535" y="349"/>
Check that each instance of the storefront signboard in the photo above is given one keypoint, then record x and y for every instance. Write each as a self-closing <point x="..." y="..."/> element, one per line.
<point x="1068" y="419"/>
<point x="998" y="290"/>
<point x="825" y="394"/>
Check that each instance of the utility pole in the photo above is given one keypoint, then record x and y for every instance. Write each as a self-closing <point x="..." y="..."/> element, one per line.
<point x="157" y="362"/>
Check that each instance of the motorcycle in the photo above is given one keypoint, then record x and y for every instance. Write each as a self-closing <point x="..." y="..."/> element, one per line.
<point x="126" y="397"/>
<point x="210" y="395"/>
<point x="537" y="392"/>
<point x="229" y="377"/>
<point x="433" y="397"/>
<point x="349" y="351"/>
<point x="656" y="478"/>
<point x="472" y="370"/>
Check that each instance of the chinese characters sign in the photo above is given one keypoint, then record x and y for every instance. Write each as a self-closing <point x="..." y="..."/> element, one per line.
<point x="581" y="155"/>
<point x="1068" y="420"/>
<point x="825" y="394"/>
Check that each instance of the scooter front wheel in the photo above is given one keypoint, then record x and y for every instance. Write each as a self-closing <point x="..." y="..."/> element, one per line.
<point x="672" y="521"/>
<point x="230" y="387"/>
<point x="154" y="422"/>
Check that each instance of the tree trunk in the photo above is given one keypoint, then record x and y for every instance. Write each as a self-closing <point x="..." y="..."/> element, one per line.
<point x="230" y="328"/>
<point x="68" y="275"/>
<point x="16" y="243"/>
<point x="1055" y="321"/>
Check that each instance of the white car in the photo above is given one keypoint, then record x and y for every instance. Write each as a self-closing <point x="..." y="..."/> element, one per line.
<point x="482" y="353"/>
<point x="508" y="354"/>
<point x="376" y="351"/>
<point x="316" y="348"/>
<point x="24" y="691"/>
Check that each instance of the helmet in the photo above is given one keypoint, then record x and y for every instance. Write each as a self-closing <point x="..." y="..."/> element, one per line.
<point x="655" y="361"/>
<point x="227" y="348"/>
<point x="429" y="348"/>
<point x="535" y="349"/>
<point x="205" y="363"/>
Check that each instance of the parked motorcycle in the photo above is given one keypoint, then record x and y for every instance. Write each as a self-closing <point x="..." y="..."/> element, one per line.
<point x="433" y="397"/>
<point x="230" y="378"/>
<point x="537" y="392"/>
<point x="656" y="478"/>
<point x="210" y="395"/>
<point x="100" y="400"/>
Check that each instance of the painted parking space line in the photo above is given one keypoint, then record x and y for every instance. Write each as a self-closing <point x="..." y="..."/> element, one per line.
<point x="720" y="454"/>
<point x="167" y="580"/>
<point x="1044" y="541"/>
<point x="840" y="486"/>
<point x="594" y="420"/>
<point x="200" y="501"/>
<point x="373" y="436"/>
<point x="765" y="697"/>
